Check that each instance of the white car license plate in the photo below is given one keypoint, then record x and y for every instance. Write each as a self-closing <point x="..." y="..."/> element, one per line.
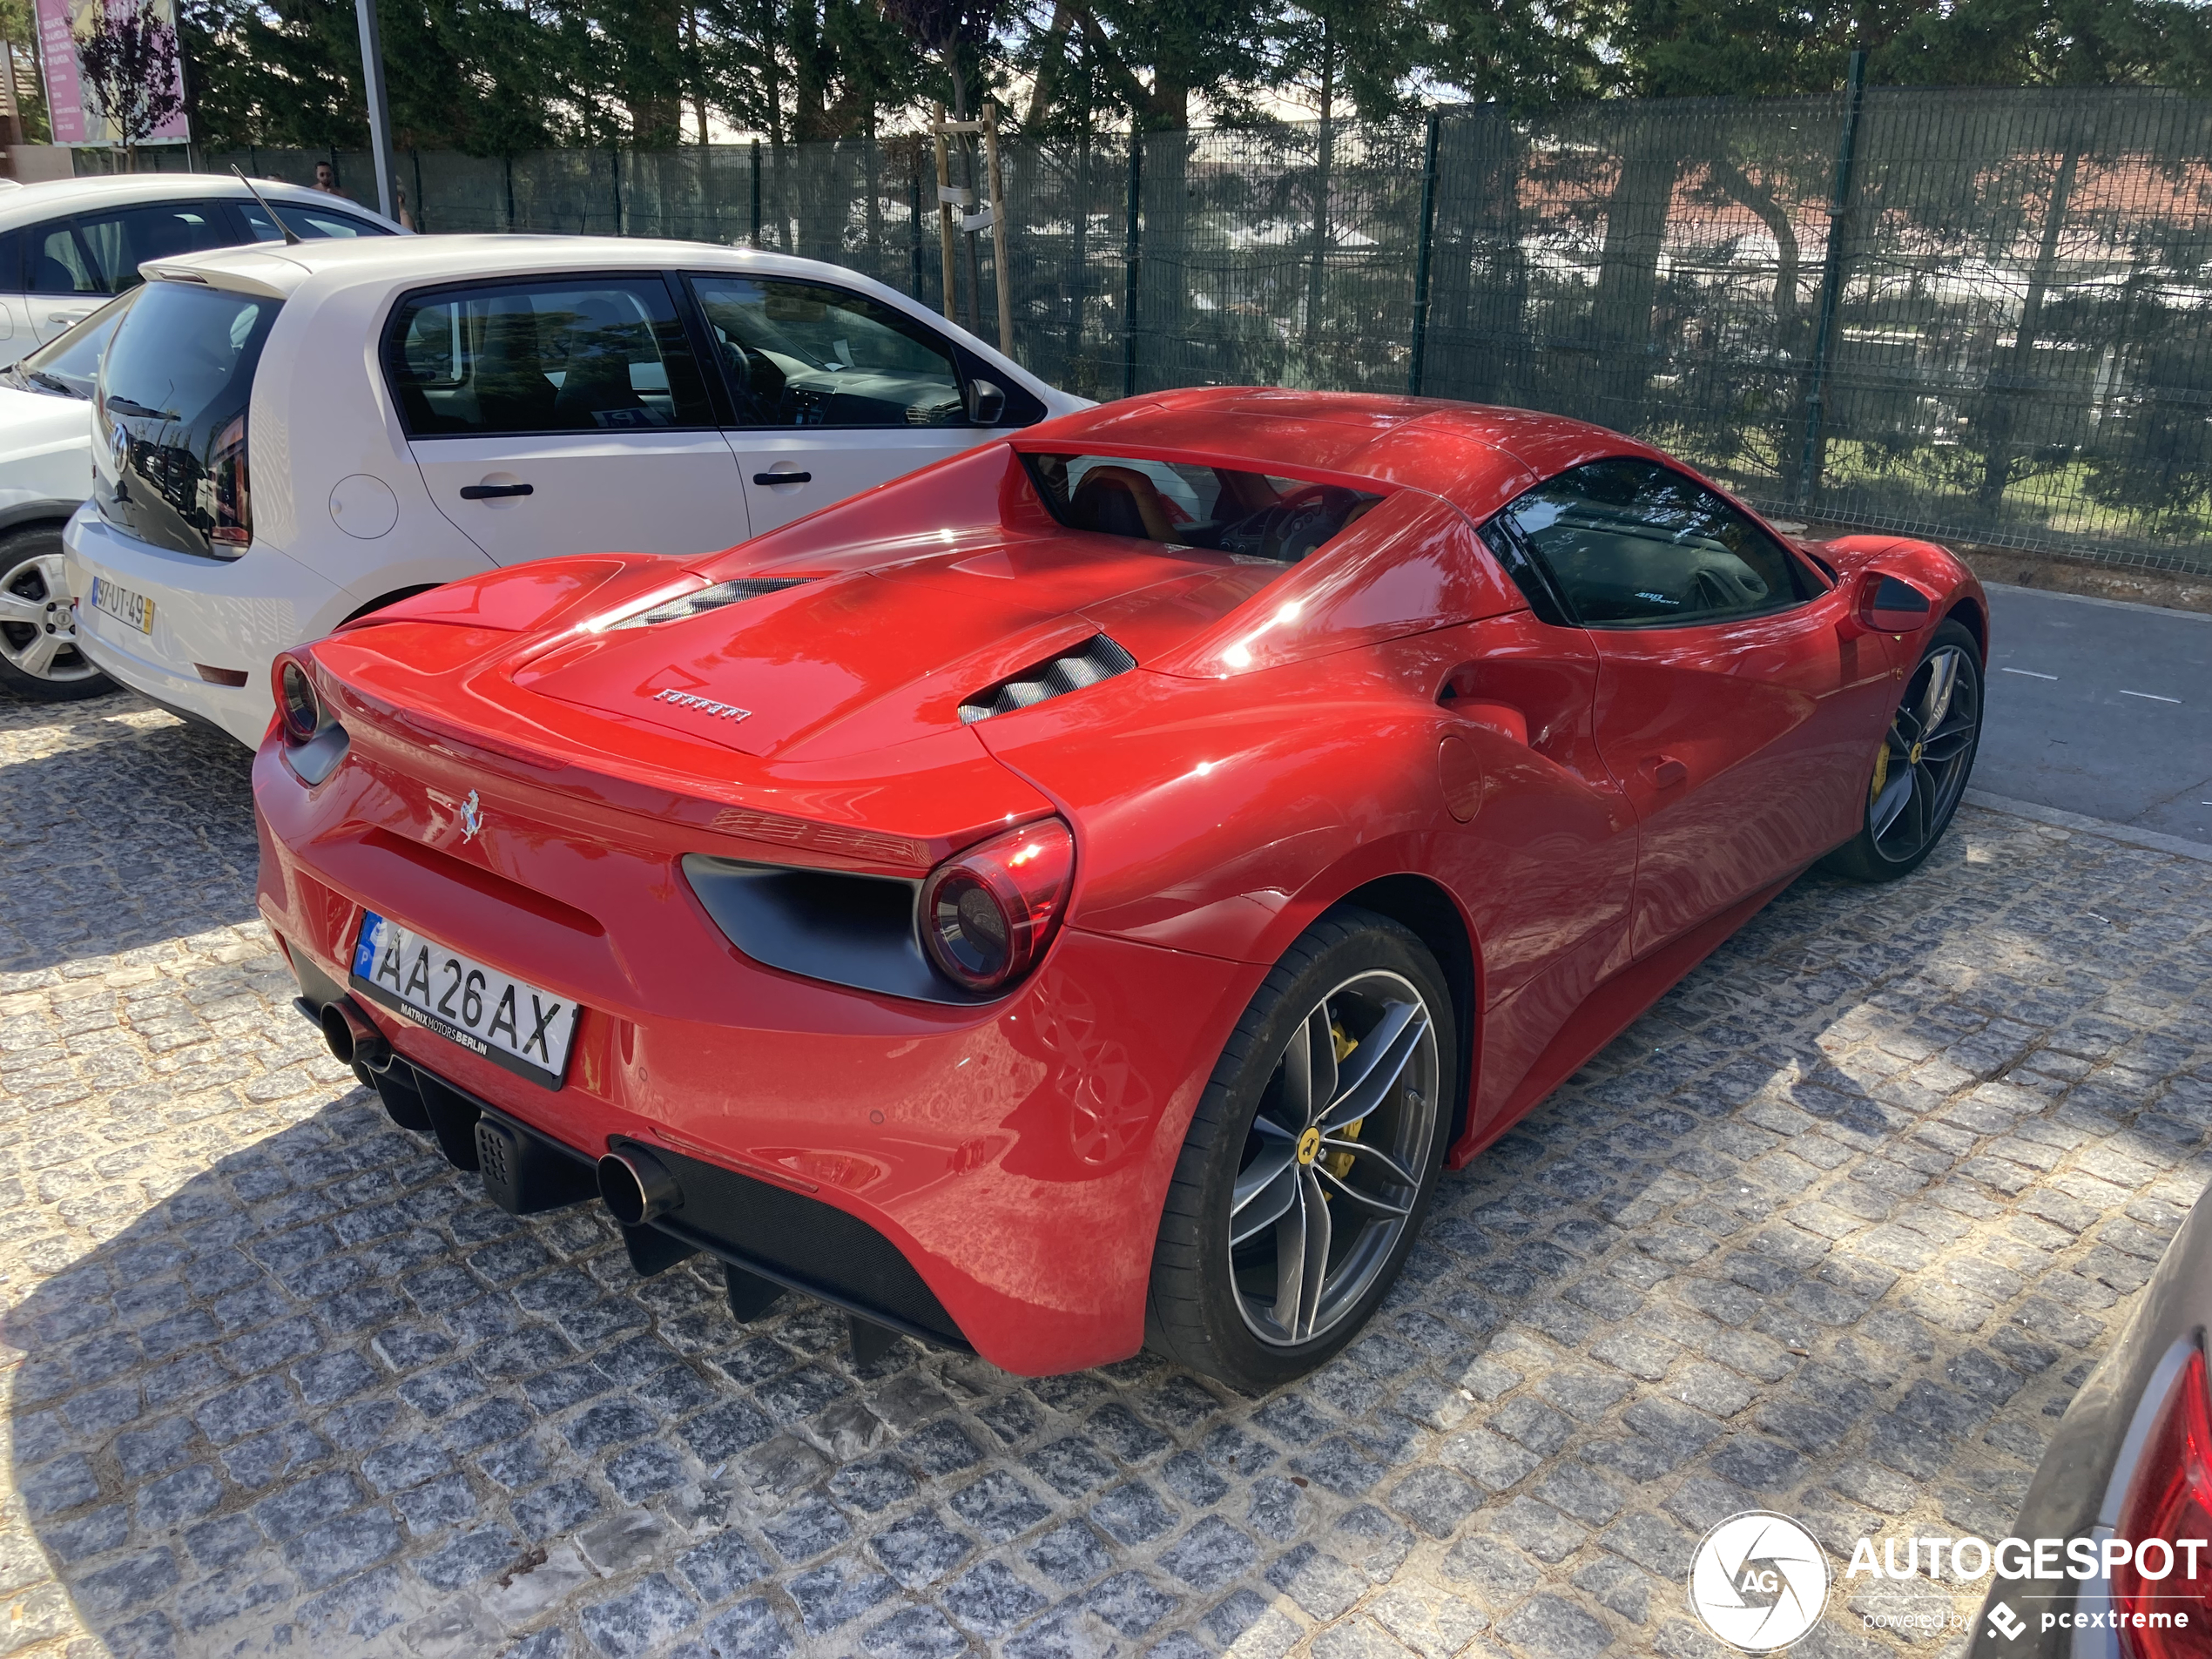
<point x="122" y="605"/>
<point x="509" y="1022"/>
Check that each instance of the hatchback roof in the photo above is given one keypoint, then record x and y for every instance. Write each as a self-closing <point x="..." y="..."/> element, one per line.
<point x="52" y="196"/>
<point x="270" y="267"/>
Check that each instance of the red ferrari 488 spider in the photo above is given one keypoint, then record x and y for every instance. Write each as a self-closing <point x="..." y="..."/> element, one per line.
<point x="1083" y="896"/>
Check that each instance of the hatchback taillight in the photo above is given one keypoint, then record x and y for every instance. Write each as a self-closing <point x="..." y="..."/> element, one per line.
<point x="232" y="491"/>
<point x="987" y="915"/>
<point x="2170" y="1500"/>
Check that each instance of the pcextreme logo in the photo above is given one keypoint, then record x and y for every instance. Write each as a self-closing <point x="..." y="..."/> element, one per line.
<point x="1758" y="1582"/>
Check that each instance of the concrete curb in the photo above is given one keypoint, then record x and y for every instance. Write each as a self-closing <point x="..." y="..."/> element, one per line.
<point x="2111" y="831"/>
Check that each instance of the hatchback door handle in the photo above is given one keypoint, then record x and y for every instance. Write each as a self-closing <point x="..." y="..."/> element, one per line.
<point x="782" y="478"/>
<point x="493" y="492"/>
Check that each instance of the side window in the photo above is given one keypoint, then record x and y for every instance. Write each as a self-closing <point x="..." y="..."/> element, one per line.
<point x="308" y="222"/>
<point x="1628" y="543"/>
<point x="117" y="242"/>
<point x="12" y="260"/>
<point x="59" y="263"/>
<point x="598" y="354"/>
<point x="798" y="354"/>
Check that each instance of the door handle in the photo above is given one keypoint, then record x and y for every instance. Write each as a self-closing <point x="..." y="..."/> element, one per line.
<point x="493" y="492"/>
<point x="1666" y="772"/>
<point x="782" y="478"/>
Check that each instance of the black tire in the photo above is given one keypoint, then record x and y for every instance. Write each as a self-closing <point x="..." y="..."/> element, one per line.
<point x="1341" y="969"/>
<point x="29" y="570"/>
<point x="1890" y="843"/>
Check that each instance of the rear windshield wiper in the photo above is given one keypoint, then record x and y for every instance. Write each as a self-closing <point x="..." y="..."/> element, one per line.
<point x="125" y="406"/>
<point x="51" y="382"/>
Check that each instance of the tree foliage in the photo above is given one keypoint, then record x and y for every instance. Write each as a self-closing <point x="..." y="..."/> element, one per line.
<point x="128" y="63"/>
<point x="494" y="77"/>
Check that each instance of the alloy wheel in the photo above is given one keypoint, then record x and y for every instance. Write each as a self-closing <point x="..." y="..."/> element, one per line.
<point x="1335" y="1159"/>
<point x="37" y="628"/>
<point x="1921" y="771"/>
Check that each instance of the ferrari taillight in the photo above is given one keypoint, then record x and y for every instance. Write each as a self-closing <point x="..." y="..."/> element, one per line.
<point x="2170" y="1500"/>
<point x="299" y="709"/>
<point x="987" y="915"/>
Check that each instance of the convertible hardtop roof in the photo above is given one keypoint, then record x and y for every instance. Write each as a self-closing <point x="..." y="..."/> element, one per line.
<point x="1472" y="454"/>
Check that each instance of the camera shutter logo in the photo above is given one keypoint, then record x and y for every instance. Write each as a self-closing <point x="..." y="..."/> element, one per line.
<point x="1758" y="1582"/>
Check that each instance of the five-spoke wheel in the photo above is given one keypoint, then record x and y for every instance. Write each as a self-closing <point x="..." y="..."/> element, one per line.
<point x="1921" y="769"/>
<point x="39" y="655"/>
<point x="1311" y="1158"/>
<point x="1334" y="1158"/>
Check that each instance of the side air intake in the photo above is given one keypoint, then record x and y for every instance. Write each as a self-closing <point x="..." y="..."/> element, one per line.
<point x="1097" y="658"/>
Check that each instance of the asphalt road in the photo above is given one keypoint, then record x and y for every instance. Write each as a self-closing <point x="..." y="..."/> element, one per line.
<point x="2100" y="708"/>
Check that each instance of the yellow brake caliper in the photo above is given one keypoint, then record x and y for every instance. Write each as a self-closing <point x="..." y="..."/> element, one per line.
<point x="1339" y="1163"/>
<point x="1881" y="772"/>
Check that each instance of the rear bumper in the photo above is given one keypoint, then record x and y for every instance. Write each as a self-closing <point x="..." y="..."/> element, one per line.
<point x="769" y="1231"/>
<point x="1013" y="1156"/>
<point x="234" y="614"/>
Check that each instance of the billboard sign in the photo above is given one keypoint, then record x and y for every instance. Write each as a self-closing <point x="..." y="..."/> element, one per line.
<point x="74" y="102"/>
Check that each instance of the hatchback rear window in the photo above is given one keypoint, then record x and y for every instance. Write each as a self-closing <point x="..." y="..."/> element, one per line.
<point x="1247" y="514"/>
<point x="169" y="445"/>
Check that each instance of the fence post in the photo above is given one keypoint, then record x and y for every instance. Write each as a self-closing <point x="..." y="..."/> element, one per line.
<point x="913" y="206"/>
<point x="1414" y="367"/>
<point x="510" y="192"/>
<point x="1810" y="460"/>
<point x="1135" y="249"/>
<point x="756" y="192"/>
<point x="614" y="177"/>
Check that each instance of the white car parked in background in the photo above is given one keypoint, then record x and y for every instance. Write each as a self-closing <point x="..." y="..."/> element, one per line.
<point x="68" y="245"/>
<point x="288" y="437"/>
<point x="46" y="471"/>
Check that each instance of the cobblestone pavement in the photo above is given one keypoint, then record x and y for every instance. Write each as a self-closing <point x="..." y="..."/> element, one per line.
<point x="1835" y="1230"/>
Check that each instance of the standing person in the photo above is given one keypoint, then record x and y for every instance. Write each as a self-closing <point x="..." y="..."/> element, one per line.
<point x="326" y="181"/>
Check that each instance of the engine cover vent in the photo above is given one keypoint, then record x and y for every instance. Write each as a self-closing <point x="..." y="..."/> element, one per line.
<point x="705" y="600"/>
<point x="1097" y="658"/>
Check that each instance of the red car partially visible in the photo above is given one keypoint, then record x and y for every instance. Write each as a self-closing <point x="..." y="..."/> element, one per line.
<point x="1083" y="896"/>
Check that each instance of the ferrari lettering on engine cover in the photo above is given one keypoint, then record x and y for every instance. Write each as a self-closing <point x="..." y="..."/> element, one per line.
<point x="705" y="705"/>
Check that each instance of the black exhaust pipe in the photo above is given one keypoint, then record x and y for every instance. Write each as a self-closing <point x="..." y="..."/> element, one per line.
<point x="353" y="1040"/>
<point x="637" y="1186"/>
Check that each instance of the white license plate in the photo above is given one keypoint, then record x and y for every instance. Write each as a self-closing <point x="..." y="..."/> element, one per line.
<point x="124" y="605"/>
<point x="505" y="1019"/>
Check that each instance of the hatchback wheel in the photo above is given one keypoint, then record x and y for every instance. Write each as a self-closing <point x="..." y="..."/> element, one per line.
<point x="40" y="657"/>
<point x="1310" y="1161"/>
<point x="1921" y="769"/>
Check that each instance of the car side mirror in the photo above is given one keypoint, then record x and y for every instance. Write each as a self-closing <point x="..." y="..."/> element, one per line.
<point x="986" y="402"/>
<point x="1890" y="604"/>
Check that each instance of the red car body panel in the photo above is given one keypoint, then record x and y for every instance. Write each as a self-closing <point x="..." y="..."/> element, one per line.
<point x="1573" y="818"/>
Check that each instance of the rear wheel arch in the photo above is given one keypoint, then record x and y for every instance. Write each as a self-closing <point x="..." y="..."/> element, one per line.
<point x="1427" y="910"/>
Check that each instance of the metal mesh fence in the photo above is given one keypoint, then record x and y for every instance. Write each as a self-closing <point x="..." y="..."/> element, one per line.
<point x="1986" y="315"/>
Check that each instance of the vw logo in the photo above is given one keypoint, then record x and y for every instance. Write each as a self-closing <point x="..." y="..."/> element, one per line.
<point x="119" y="444"/>
<point x="472" y="817"/>
<point x="1758" y="1582"/>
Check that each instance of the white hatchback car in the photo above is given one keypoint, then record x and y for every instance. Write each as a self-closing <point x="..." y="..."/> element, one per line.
<point x="68" y="245"/>
<point x="289" y="437"/>
<point x="46" y="471"/>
